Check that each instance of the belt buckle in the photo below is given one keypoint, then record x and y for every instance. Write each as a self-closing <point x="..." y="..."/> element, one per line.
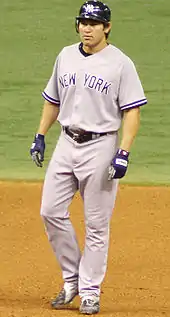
<point x="75" y="136"/>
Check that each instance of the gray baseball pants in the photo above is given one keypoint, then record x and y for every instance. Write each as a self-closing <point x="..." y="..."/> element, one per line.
<point x="82" y="167"/>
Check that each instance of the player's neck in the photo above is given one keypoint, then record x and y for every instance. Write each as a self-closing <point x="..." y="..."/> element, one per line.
<point x="94" y="49"/>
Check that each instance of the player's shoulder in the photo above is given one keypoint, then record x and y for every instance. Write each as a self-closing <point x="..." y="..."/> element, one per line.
<point x="119" y="54"/>
<point x="70" y="48"/>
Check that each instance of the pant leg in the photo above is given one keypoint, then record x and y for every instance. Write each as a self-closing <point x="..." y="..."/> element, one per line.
<point x="60" y="185"/>
<point x="99" y="196"/>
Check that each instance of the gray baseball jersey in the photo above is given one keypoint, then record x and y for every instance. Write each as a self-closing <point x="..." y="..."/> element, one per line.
<point x="90" y="98"/>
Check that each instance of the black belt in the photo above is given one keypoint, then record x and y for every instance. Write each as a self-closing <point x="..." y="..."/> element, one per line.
<point x="81" y="137"/>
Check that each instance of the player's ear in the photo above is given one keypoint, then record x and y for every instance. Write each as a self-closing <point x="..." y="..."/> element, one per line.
<point x="107" y="29"/>
<point x="77" y="25"/>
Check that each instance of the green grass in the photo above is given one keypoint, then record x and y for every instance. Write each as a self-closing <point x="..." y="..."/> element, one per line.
<point x="33" y="32"/>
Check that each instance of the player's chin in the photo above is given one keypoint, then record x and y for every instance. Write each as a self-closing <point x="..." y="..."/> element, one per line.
<point x="88" y="42"/>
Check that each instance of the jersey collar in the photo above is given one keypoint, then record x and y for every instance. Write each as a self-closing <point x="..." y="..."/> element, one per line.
<point x="82" y="51"/>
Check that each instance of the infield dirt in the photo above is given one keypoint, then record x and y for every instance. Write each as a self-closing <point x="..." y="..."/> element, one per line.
<point x="137" y="282"/>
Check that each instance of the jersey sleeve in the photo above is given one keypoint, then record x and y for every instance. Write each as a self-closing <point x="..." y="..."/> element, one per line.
<point x="131" y="94"/>
<point x="50" y="92"/>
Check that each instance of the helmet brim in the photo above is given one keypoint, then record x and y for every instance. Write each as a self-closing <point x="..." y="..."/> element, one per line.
<point x="91" y="17"/>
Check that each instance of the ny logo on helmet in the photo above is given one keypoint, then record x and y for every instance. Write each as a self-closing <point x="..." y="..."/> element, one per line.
<point x="90" y="8"/>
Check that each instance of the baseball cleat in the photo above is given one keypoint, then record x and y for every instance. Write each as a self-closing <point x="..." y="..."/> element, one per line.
<point x="90" y="305"/>
<point x="65" y="296"/>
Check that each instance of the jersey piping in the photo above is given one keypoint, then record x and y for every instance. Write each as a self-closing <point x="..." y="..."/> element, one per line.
<point x="50" y="99"/>
<point x="135" y="104"/>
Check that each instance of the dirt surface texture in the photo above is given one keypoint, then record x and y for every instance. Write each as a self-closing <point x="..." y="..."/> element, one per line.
<point x="137" y="282"/>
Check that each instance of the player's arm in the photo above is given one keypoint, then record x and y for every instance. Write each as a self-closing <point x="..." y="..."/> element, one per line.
<point x="49" y="116"/>
<point x="130" y="126"/>
<point x="131" y="97"/>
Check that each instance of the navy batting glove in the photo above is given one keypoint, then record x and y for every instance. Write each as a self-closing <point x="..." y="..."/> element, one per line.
<point x="37" y="149"/>
<point x="119" y="165"/>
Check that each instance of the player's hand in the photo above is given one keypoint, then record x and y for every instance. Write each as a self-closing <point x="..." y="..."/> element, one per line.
<point x="37" y="149"/>
<point x="118" y="165"/>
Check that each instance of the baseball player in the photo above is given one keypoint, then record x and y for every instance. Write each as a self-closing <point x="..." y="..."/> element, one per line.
<point x="94" y="90"/>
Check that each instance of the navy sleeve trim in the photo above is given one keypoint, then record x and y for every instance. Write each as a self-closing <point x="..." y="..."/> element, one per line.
<point x="135" y="104"/>
<point x="50" y="99"/>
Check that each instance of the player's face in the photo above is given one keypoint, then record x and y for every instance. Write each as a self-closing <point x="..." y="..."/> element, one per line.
<point x="92" y="34"/>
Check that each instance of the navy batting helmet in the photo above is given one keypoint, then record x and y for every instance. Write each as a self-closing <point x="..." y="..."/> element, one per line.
<point x="94" y="10"/>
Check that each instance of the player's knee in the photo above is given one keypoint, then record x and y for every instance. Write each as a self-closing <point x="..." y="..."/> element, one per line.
<point x="53" y="211"/>
<point x="51" y="226"/>
<point x="46" y="210"/>
<point x="97" y="223"/>
<point x="97" y="234"/>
